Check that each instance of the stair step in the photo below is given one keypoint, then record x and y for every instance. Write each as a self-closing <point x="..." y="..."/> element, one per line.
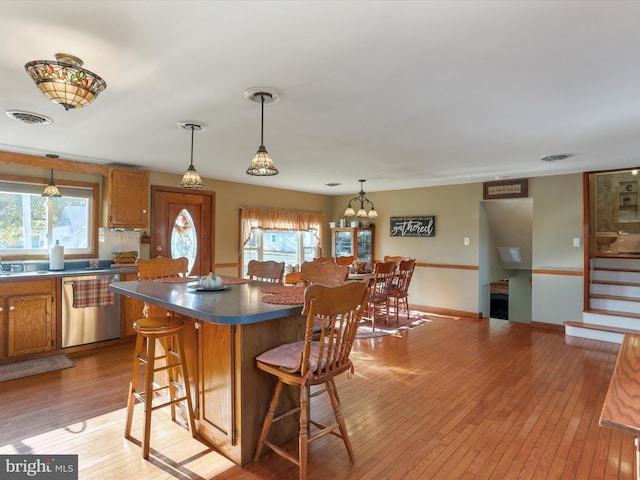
<point x="618" y="269"/>
<point x="613" y="313"/>
<point x="613" y="282"/>
<point x="603" y="328"/>
<point x="614" y="297"/>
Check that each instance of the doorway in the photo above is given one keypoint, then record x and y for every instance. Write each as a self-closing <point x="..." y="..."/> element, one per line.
<point x="182" y="225"/>
<point x="506" y="238"/>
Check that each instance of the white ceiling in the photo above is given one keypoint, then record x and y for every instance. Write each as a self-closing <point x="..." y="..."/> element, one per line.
<point x="402" y="93"/>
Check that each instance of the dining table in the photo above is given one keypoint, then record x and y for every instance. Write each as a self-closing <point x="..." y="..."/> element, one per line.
<point x="225" y="329"/>
<point x="362" y="277"/>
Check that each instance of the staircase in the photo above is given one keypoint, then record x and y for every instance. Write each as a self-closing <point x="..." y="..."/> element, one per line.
<point x="614" y="301"/>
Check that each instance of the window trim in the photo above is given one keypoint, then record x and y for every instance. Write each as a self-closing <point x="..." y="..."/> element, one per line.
<point x="94" y="216"/>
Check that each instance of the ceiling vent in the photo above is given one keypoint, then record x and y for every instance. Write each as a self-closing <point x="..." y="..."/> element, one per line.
<point x="555" y="158"/>
<point x="28" y="117"/>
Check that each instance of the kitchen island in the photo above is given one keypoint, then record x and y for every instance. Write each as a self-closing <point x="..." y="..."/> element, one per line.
<point x="225" y="331"/>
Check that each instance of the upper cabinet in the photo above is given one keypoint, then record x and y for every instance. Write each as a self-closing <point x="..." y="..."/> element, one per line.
<point x="127" y="198"/>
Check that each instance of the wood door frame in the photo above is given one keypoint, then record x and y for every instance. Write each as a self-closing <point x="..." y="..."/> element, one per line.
<point x="163" y="189"/>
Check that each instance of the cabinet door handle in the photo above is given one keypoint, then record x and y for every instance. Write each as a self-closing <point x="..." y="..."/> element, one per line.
<point x="12" y="308"/>
<point x="1" y="309"/>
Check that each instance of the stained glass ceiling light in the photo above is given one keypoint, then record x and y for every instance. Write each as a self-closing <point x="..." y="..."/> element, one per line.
<point x="362" y="212"/>
<point x="65" y="82"/>
<point x="191" y="178"/>
<point x="51" y="190"/>
<point x="262" y="164"/>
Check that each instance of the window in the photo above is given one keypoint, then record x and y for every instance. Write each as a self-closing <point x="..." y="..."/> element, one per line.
<point x="31" y="223"/>
<point x="184" y="238"/>
<point x="286" y="236"/>
<point x="292" y="248"/>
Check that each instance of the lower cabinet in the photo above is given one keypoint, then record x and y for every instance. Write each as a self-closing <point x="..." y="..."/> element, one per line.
<point x="131" y="309"/>
<point x="230" y="394"/>
<point x="27" y="317"/>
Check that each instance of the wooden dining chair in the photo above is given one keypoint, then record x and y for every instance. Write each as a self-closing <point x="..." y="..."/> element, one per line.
<point x="312" y="362"/>
<point x="160" y="352"/>
<point x="328" y="274"/>
<point x="399" y="293"/>
<point x="345" y="260"/>
<point x="268" y="271"/>
<point x="396" y="259"/>
<point x="379" y="288"/>
<point x="324" y="260"/>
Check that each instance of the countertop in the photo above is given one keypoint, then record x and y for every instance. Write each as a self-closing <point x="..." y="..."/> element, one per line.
<point x="237" y="305"/>
<point x="74" y="269"/>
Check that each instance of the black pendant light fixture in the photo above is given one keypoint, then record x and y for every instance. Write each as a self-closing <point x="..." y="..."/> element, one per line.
<point x="262" y="164"/>
<point x="364" y="201"/>
<point x="191" y="178"/>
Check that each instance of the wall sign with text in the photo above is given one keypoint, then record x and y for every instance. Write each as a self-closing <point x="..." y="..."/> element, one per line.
<point x="506" y="189"/>
<point x="413" y="226"/>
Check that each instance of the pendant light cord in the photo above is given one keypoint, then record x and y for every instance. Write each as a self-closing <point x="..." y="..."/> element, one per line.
<point x="192" y="129"/>
<point x="262" y="123"/>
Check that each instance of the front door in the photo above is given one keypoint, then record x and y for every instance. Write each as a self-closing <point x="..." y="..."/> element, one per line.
<point x="182" y="226"/>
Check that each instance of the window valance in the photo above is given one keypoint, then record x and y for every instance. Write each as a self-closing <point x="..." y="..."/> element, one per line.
<point x="275" y="219"/>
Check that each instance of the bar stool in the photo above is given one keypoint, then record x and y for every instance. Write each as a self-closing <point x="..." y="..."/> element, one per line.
<point x="166" y="331"/>
<point x="316" y="360"/>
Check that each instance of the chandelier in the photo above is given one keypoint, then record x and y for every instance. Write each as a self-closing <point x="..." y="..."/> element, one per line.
<point x="65" y="82"/>
<point x="262" y="164"/>
<point x="191" y="178"/>
<point x="350" y="212"/>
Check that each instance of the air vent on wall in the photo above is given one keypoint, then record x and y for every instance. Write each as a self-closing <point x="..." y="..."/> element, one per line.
<point x="28" y="117"/>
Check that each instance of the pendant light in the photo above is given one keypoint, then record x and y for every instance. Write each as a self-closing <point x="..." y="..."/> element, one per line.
<point x="262" y="165"/>
<point x="65" y="82"/>
<point x="362" y="212"/>
<point x="191" y="178"/>
<point x="51" y="190"/>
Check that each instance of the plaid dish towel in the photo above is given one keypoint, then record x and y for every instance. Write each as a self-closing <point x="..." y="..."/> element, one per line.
<point x="91" y="293"/>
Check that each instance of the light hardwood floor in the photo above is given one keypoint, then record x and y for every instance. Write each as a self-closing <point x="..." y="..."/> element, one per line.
<point x="450" y="399"/>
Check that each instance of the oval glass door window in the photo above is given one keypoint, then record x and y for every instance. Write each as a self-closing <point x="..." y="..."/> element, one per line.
<point x="184" y="238"/>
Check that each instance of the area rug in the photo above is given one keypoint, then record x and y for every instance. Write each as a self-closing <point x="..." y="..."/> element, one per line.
<point x="34" y="367"/>
<point x="416" y="318"/>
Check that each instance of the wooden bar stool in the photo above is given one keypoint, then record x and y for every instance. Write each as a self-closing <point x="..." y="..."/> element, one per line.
<point x="316" y="360"/>
<point x="165" y="330"/>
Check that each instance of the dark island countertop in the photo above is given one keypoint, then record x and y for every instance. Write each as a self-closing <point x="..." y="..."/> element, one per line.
<point x="237" y="305"/>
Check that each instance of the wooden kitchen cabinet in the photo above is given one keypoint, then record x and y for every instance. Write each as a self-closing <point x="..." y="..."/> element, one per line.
<point x="131" y="309"/>
<point x="28" y="317"/>
<point x="127" y="198"/>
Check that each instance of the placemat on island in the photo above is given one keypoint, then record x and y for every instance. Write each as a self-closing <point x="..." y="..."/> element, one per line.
<point x="286" y="290"/>
<point x="234" y="280"/>
<point x="175" y="279"/>
<point x="292" y="298"/>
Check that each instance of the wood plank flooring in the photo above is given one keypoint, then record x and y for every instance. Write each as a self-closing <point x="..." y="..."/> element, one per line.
<point x="449" y="399"/>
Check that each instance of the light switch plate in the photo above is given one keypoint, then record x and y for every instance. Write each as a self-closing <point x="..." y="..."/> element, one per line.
<point x="467" y="241"/>
<point x="576" y="241"/>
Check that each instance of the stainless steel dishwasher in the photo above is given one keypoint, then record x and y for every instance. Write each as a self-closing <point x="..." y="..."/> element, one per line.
<point x="84" y="325"/>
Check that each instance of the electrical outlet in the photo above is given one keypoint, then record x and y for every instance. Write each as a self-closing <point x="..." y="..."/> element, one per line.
<point x="576" y="241"/>
<point x="467" y="241"/>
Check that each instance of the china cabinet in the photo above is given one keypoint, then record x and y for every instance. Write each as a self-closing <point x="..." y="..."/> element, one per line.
<point x="356" y="241"/>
